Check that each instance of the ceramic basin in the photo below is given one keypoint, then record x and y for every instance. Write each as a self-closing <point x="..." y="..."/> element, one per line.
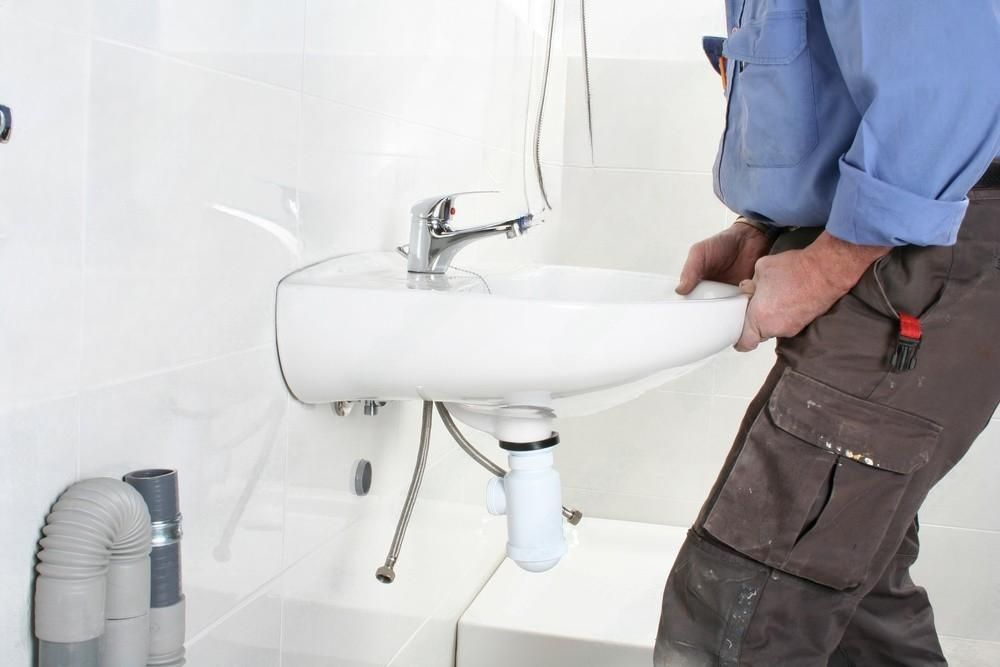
<point x="557" y="339"/>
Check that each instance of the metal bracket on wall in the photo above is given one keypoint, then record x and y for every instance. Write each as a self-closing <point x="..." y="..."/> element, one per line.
<point x="6" y="122"/>
<point x="371" y="408"/>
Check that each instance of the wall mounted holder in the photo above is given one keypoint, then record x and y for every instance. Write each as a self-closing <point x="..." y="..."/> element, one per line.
<point x="6" y="124"/>
<point x="344" y="408"/>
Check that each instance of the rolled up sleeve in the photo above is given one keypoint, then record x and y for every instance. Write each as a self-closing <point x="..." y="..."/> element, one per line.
<point x="923" y="76"/>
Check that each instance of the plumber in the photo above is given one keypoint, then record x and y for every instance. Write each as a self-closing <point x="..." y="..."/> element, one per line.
<point x="860" y="153"/>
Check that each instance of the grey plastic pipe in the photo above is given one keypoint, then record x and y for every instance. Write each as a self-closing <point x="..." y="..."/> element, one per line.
<point x="158" y="488"/>
<point x="92" y="590"/>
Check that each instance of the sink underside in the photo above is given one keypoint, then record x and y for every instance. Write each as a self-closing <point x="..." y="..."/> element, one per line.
<point x="569" y="340"/>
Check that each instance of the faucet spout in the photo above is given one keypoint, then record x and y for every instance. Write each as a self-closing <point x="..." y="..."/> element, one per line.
<point x="433" y="242"/>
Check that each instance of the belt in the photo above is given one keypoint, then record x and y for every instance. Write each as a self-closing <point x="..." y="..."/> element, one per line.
<point x="991" y="179"/>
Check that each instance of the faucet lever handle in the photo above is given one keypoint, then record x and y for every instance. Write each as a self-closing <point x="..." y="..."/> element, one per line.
<point x="440" y="209"/>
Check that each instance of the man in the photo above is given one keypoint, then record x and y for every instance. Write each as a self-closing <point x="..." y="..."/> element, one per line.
<point x="857" y="132"/>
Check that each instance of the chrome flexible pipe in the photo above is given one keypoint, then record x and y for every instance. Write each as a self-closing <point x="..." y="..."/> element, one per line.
<point x="387" y="573"/>
<point x="468" y="447"/>
<point x="573" y="516"/>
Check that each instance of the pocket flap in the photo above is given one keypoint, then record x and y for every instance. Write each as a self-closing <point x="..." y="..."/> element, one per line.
<point x="776" y="39"/>
<point x="869" y="433"/>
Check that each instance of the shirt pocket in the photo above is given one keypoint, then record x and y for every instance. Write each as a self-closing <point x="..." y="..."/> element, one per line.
<point x="819" y="480"/>
<point x="772" y="87"/>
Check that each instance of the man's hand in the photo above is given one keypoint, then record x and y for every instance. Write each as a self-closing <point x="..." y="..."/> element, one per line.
<point x="791" y="289"/>
<point x="728" y="257"/>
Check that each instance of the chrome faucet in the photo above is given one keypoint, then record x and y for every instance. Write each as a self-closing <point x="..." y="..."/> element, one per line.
<point x="434" y="244"/>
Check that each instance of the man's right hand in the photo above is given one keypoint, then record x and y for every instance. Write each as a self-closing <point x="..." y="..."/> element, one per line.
<point x="727" y="257"/>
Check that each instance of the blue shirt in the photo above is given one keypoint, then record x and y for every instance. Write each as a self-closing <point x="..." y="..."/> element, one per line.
<point x="873" y="118"/>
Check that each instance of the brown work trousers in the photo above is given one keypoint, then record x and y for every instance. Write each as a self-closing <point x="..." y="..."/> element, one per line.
<point x="801" y="553"/>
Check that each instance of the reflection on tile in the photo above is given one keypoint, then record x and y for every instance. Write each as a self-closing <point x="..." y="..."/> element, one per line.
<point x="43" y="77"/>
<point x="38" y="447"/>
<point x="221" y="425"/>
<point x="182" y="252"/>
<point x="336" y="612"/>
<point x="249" y="637"/>
<point x="958" y="569"/>
<point x="258" y="39"/>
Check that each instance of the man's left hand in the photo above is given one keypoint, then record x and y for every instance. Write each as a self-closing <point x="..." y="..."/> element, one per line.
<point x="791" y="289"/>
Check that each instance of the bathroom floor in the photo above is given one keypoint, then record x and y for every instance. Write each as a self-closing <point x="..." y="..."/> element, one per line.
<point x="599" y="607"/>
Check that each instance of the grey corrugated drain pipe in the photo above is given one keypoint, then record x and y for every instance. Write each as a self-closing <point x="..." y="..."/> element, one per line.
<point x="92" y="591"/>
<point x="166" y="615"/>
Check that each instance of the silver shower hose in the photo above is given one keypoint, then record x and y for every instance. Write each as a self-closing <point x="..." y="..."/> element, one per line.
<point x="537" y="154"/>
<point x="386" y="573"/>
<point x="573" y="516"/>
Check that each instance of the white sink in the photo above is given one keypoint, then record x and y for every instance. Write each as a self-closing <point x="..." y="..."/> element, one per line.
<point x="530" y="340"/>
<point x="509" y="349"/>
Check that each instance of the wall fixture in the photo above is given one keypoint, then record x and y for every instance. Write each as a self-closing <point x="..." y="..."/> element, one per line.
<point x="6" y="124"/>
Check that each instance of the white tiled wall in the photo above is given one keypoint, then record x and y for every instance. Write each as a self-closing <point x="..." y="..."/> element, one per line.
<point x="639" y="204"/>
<point x="170" y="162"/>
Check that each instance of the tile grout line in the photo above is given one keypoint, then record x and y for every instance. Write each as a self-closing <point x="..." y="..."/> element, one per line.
<point x="164" y="370"/>
<point x="288" y="400"/>
<point x="987" y="531"/>
<point x="988" y="642"/>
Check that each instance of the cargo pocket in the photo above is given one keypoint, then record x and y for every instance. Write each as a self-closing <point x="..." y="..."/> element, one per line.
<point x="818" y="481"/>
<point x="773" y="86"/>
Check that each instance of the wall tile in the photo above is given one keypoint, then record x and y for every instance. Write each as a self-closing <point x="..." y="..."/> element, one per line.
<point x="968" y="653"/>
<point x="259" y="39"/>
<point x="652" y="217"/>
<point x="651" y="30"/>
<point x="968" y="495"/>
<point x="183" y="251"/>
<point x="675" y="511"/>
<point x="663" y="445"/>
<point x="43" y="78"/>
<point x="742" y="374"/>
<point x="336" y="612"/>
<point x="69" y="15"/>
<point x="249" y="637"/>
<point x="38" y="447"/>
<point x="362" y="173"/>
<point x="323" y="449"/>
<point x="674" y="110"/>
<point x="222" y="426"/>
<point x="403" y="59"/>
<point x="958" y="569"/>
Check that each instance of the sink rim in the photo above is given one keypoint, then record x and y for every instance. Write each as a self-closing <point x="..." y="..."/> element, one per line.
<point x="480" y="273"/>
